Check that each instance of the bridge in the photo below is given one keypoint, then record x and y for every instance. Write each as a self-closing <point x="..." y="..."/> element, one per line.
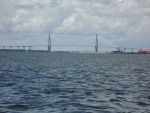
<point x="49" y="46"/>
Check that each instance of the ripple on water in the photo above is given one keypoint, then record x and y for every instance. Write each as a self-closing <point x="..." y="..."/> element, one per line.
<point x="141" y="103"/>
<point x="18" y="107"/>
<point x="148" y="97"/>
<point x="114" y="100"/>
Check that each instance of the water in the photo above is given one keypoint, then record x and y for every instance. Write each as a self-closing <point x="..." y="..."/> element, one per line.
<point x="39" y="82"/>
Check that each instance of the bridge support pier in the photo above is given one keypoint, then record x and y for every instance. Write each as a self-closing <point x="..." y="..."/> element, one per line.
<point x="124" y="50"/>
<point x="132" y="50"/>
<point x="23" y="47"/>
<point x="10" y="47"/>
<point x="17" y="47"/>
<point x="29" y="47"/>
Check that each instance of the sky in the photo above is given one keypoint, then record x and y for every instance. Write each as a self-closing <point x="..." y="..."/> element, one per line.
<point x="124" y="23"/>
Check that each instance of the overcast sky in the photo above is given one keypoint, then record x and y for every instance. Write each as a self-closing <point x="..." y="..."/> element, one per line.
<point x="117" y="22"/>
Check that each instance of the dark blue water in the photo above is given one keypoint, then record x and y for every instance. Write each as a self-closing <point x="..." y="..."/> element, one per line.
<point x="39" y="82"/>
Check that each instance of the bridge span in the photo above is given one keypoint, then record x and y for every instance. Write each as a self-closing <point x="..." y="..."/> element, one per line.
<point x="49" y="47"/>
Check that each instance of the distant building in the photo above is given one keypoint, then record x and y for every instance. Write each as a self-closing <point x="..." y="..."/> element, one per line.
<point x="118" y="50"/>
<point x="144" y="51"/>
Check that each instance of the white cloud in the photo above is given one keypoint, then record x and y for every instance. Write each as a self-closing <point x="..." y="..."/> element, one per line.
<point x="117" y="21"/>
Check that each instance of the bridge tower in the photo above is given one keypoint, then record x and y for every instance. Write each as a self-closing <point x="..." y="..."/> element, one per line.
<point x="96" y="44"/>
<point x="49" y="44"/>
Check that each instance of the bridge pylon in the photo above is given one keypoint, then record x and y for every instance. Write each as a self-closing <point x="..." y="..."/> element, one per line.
<point x="96" y="44"/>
<point x="49" y="43"/>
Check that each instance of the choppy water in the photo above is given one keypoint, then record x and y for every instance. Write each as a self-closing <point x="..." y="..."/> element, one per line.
<point x="74" y="83"/>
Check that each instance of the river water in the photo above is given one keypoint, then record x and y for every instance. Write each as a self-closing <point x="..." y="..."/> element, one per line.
<point x="40" y="82"/>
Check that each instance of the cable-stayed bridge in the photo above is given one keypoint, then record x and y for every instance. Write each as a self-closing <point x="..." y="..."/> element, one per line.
<point x="49" y="47"/>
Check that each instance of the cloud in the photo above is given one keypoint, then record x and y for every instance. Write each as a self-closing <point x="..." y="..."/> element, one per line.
<point x="117" y="21"/>
<point x="26" y="6"/>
